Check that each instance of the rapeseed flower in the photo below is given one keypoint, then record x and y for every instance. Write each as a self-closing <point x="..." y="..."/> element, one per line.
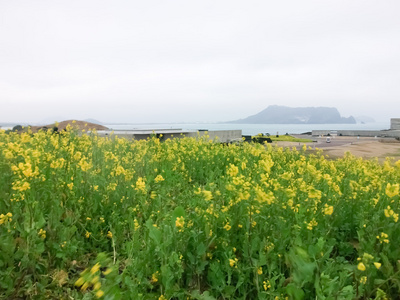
<point x="99" y="294"/>
<point x="312" y="224"/>
<point x="377" y="265"/>
<point x="233" y="262"/>
<point x="207" y="195"/>
<point x="159" y="178"/>
<point x="42" y="234"/>
<point x="140" y="185"/>
<point x="390" y="213"/>
<point x="4" y="219"/>
<point x="361" y="266"/>
<point x="95" y="268"/>
<point x="383" y="238"/>
<point x="266" y="285"/>
<point x="232" y="170"/>
<point x="154" y="277"/>
<point x="180" y="222"/>
<point x="328" y="209"/>
<point x="227" y="227"/>
<point x="392" y="190"/>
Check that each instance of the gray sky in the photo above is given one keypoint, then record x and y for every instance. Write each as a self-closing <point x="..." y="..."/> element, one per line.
<point x="183" y="61"/>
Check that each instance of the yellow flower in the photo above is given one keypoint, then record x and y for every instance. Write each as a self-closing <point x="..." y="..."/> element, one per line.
<point x="180" y="222"/>
<point x="85" y="166"/>
<point x="136" y="224"/>
<point x="119" y="170"/>
<point x="363" y="279"/>
<point x="42" y="234"/>
<point x="207" y="195"/>
<point x="266" y="285"/>
<point x="4" y="219"/>
<point x="108" y="271"/>
<point x="87" y="234"/>
<point x="313" y="193"/>
<point x="328" y="210"/>
<point x="95" y="268"/>
<point x="99" y="294"/>
<point x="80" y="281"/>
<point x="232" y="170"/>
<point x="312" y="224"/>
<point x="154" y="277"/>
<point x="361" y="266"/>
<point x="227" y="227"/>
<point x="233" y="262"/>
<point x="162" y="298"/>
<point x="140" y="185"/>
<point x="95" y="279"/>
<point x="85" y="286"/>
<point x="390" y="213"/>
<point x="159" y="178"/>
<point x="259" y="271"/>
<point x="109" y="234"/>
<point x="377" y="265"/>
<point x="392" y="190"/>
<point x="383" y="238"/>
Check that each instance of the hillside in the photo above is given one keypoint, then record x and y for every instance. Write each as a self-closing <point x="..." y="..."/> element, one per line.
<point x="75" y="123"/>
<point x="275" y="114"/>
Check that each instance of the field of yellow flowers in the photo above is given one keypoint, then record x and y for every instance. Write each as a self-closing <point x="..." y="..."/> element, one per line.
<point x="85" y="217"/>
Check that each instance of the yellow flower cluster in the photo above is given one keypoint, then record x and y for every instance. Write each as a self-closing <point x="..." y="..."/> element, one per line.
<point x="328" y="209"/>
<point x="392" y="190"/>
<point x="159" y="178"/>
<point x="383" y="238"/>
<point x="42" y="234"/>
<point x="180" y="223"/>
<point x="389" y="213"/>
<point x="91" y="278"/>
<point x="4" y="219"/>
<point x="140" y="185"/>
<point x="312" y="224"/>
<point x="154" y="277"/>
<point x="233" y="262"/>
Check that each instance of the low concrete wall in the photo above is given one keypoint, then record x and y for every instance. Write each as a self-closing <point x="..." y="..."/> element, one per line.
<point x="395" y="123"/>
<point x="224" y="136"/>
<point x="368" y="133"/>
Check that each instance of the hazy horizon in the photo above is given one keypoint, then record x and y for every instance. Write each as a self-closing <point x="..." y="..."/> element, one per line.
<point x="183" y="61"/>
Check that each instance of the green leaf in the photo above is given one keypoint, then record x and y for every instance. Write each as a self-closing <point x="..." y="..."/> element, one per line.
<point x="178" y="212"/>
<point x="201" y="249"/>
<point x="154" y="232"/>
<point x="295" y="292"/>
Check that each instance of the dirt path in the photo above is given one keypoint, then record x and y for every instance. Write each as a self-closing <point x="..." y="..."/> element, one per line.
<point x="361" y="147"/>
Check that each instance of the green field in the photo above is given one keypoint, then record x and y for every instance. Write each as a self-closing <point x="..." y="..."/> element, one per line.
<point x="84" y="217"/>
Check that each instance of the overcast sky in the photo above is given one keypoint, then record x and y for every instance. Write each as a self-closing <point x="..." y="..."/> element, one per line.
<point x="190" y="61"/>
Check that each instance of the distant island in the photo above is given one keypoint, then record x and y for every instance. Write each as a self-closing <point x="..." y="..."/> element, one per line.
<point x="276" y="114"/>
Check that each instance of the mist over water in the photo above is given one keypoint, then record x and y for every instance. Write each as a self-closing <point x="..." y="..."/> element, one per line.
<point x="253" y="129"/>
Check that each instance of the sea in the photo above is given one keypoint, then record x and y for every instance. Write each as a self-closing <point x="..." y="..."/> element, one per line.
<point x="253" y="129"/>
